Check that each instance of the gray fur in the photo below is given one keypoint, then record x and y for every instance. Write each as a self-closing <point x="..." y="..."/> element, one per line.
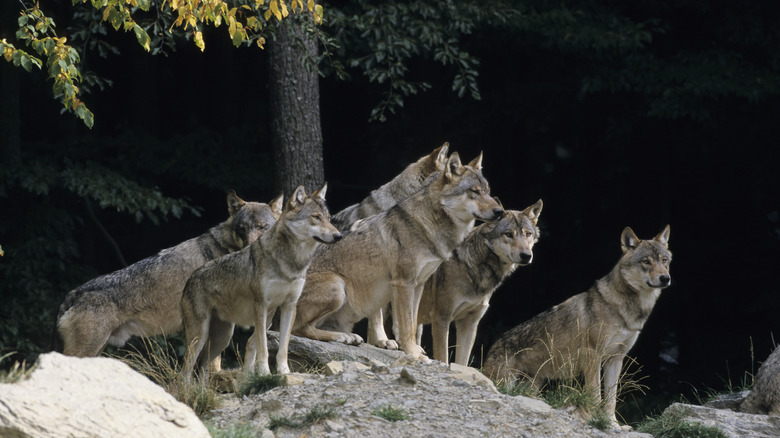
<point x="416" y="176"/>
<point x="591" y="331"/>
<point x="247" y="286"/>
<point x="143" y="298"/>
<point x="461" y="288"/>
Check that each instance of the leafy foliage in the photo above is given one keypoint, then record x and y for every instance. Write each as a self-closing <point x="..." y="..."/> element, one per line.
<point x="246" y="21"/>
<point x="385" y="37"/>
<point x="41" y="239"/>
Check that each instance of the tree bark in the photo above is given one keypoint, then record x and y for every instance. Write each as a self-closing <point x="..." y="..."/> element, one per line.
<point x="296" y="133"/>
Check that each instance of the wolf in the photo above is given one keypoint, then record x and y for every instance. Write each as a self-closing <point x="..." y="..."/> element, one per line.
<point x="388" y="256"/>
<point x="246" y="287"/>
<point x="461" y="288"/>
<point x="591" y="331"/>
<point x="412" y="179"/>
<point x="144" y="298"/>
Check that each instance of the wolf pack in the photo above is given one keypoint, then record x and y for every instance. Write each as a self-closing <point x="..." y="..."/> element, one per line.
<point x="430" y="247"/>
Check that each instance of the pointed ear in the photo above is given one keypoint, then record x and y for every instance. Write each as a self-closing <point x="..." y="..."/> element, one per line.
<point x="477" y="162"/>
<point x="234" y="202"/>
<point x="277" y="205"/>
<point x="628" y="240"/>
<point x="663" y="236"/>
<point x="297" y="198"/>
<point x="320" y="192"/>
<point x="454" y="166"/>
<point x="437" y="159"/>
<point x="533" y="211"/>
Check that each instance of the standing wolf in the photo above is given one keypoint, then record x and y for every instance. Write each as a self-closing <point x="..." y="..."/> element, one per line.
<point x="387" y="258"/>
<point x="461" y="288"/>
<point x="405" y="184"/>
<point x="247" y="287"/>
<point x="590" y="330"/>
<point x="144" y="298"/>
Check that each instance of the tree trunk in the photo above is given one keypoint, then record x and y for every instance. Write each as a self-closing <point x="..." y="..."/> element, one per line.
<point x="296" y="134"/>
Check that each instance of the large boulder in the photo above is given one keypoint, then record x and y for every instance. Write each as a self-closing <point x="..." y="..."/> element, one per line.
<point x="765" y="396"/>
<point x="91" y="397"/>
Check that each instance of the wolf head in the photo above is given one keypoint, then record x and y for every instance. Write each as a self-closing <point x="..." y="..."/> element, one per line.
<point x="465" y="193"/>
<point x="248" y="220"/>
<point x="308" y="216"/>
<point x="645" y="263"/>
<point x="512" y="237"/>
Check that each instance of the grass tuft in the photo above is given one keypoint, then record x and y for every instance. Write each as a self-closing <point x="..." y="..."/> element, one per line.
<point x="390" y="413"/>
<point x="158" y="361"/>
<point x="316" y="414"/>
<point x="256" y="383"/>
<point x="671" y="424"/>
<point x="17" y="372"/>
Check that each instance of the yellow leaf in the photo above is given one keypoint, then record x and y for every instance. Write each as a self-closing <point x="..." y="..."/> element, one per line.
<point x="275" y="10"/>
<point x="199" y="41"/>
<point x="174" y="4"/>
<point x="267" y="15"/>
<point x="261" y="42"/>
<point x="231" y="26"/>
<point x="246" y="7"/>
<point x="106" y="12"/>
<point x="217" y="20"/>
<point x="259" y="3"/>
<point x="318" y="14"/>
<point x="192" y="21"/>
<point x="284" y="8"/>
<point x="310" y="5"/>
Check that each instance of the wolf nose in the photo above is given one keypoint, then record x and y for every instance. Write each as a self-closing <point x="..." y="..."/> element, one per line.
<point x="498" y="212"/>
<point x="525" y="258"/>
<point x="337" y="237"/>
<point x="665" y="279"/>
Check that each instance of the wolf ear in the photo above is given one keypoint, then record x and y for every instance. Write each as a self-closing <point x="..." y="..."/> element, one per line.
<point x="438" y="158"/>
<point x="628" y="239"/>
<point x="454" y="166"/>
<point x="533" y="211"/>
<point x="277" y="205"/>
<point x="234" y="202"/>
<point x="477" y="162"/>
<point x="297" y="198"/>
<point x="663" y="236"/>
<point x="320" y="192"/>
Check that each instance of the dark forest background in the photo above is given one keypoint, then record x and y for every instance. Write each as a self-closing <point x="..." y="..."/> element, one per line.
<point x="615" y="113"/>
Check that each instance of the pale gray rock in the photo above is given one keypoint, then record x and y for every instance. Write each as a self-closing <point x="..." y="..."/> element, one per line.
<point x="733" y="424"/>
<point x="91" y="397"/>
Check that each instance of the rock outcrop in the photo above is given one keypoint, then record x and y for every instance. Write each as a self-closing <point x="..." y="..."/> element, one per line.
<point x="91" y="397"/>
<point x="765" y="396"/>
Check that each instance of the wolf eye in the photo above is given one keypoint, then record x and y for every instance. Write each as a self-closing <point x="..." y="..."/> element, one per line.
<point x="509" y="234"/>
<point x="317" y="216"/>
<point x="529" y="234"/>
<point x="646" y="262"/>
<point x="665" y="260"/>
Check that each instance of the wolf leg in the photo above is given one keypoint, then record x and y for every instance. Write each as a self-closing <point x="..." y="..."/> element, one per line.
<point x="261" y="342"/>
<point x="466" y="329"/>
<point x="324" y="294"/>
<point x="440" y="333"/>
<point x="287" y="316"/>
<point x="404" y="315"/>
<point x="376" y="332"/>
<point x="612" y="367"/>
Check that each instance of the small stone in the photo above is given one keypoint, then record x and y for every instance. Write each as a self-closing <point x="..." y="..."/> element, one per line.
<point x="407" y="376"/>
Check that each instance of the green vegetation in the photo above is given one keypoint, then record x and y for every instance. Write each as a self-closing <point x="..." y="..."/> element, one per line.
<point x="390" y="413"/>
<point x="316" y="414"/>
<point x="672" y="425"/>
<point x="256" y="383"/>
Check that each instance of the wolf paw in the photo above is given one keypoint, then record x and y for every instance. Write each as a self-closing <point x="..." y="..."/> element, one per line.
<point x="387" y="344"/>
<point x="415" y="351"/>
<point x="262" y="368"/>
<point x="350" y="339"/>
<point x="283" y="369"/>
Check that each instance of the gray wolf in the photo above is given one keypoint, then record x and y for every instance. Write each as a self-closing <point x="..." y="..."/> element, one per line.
<point x="764" y="398"/>
<point x="387" y="258"/>
<point x="591" y="331"/>
<point x="144" y="298"/>
<point x="461" y="288"/>
<point x="247" y="286"/>
<point x="411" y="180"/>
